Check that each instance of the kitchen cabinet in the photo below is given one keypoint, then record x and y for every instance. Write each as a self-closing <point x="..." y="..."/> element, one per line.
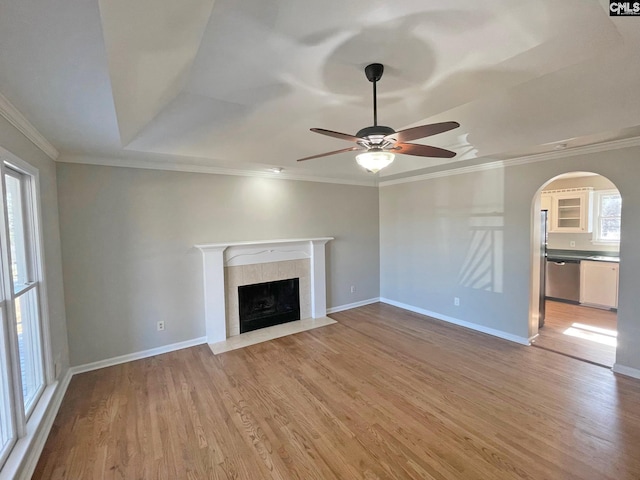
<point x="571" y="210"/>
<point x="599" y="284"/>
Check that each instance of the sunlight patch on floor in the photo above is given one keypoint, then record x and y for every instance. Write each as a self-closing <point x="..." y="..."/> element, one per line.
<point x="603" y="336"/>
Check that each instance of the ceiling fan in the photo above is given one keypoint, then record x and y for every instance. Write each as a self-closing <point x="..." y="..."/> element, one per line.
<point x="379" y="143"/>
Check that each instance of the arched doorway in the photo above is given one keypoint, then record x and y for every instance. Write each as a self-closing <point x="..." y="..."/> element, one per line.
<point x="578" y="290"/>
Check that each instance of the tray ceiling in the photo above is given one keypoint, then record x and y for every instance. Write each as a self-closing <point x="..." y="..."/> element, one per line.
<point x="237" y="85"/>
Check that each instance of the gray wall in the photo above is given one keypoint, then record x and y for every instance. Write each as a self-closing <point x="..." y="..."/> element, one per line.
<point x="582" y="240"/>
<point x="17" y="144"/>
<point x="128" y="236"/>
<point x="429" y="228"/>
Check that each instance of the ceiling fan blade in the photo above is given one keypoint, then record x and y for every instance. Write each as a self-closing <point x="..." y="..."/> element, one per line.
<point x="350" y="149"/>
<point x="423" y="150"/>
<point x="331" y="133"/>
<point x="422" y="131"/>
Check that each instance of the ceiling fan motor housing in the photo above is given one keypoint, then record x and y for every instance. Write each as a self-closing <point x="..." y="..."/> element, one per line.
<point x="375" y="136"/>
<point x="375" y="130"/>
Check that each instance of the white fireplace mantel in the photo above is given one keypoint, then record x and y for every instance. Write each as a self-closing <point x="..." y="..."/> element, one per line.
<point x="217" y="256"/>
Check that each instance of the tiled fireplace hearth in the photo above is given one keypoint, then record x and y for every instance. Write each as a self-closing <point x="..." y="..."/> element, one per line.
<point x="226" y="266"/>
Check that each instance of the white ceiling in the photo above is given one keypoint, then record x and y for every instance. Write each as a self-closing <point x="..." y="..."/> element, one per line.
<point x="237" y="85"/>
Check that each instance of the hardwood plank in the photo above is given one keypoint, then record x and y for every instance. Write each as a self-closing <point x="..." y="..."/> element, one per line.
<point x="563" y="317"/>
<point x="383" y="394"/>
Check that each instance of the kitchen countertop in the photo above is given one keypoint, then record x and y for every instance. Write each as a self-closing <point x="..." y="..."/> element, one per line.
<point x="578" y="255"/>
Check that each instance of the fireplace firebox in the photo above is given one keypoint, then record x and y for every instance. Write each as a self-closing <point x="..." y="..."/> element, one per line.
<point x="266" y="304"/>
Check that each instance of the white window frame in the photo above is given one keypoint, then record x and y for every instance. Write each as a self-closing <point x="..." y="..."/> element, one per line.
<point x="24" y="423"/>
<point x="596" y="238"/>
<point x="6" y="362"/>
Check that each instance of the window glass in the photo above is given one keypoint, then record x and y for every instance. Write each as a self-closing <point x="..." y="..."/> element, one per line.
<point x="29" y="346"/>
<point x="609" y="209"/>
<point x="16" y="231"/>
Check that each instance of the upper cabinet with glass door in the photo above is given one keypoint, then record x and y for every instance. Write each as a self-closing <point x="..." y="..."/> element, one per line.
<point x="571" y="210"/>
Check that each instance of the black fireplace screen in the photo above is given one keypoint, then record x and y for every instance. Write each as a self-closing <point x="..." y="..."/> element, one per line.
<point x="266" y="304"/>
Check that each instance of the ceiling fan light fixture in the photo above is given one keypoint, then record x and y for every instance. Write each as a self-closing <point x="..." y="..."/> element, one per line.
<point x="375" y="160"/>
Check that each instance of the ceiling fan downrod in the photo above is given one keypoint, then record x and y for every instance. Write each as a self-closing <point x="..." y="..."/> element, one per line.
<point x="375" y="106"/>
<point x="374" y="73"/>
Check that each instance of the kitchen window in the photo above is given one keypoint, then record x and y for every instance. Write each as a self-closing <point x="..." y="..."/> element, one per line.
<point x="607" y="212"/>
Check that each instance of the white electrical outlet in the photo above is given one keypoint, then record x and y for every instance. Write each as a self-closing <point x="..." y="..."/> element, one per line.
<point x="572" y="243"/>
<point x="353" y="289"/>
<point x="456" y="301"/>
<point x="160" y="325"/>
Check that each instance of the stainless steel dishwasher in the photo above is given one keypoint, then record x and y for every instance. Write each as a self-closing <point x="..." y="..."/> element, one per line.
<point x="563" y="280"/>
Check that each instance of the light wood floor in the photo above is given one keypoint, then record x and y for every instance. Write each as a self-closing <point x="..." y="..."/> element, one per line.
<point x="564" y="331"/>
<point x="383" y="394"/>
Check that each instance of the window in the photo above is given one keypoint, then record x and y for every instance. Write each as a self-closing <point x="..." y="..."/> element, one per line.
<point x="24" y="366"/>
<point x="24" y="298"/>
<point x="607" y="211"/>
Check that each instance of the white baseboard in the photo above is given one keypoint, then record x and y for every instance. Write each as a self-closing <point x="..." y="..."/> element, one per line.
<point x="349" y="306"/>
<point x="109" y="362"/>
<point x="624" y="370"/>
<point x="461" y="323"/>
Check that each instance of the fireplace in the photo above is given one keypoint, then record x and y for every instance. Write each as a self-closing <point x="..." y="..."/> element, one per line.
<point x="226" y="266"/>
<point x="266" y="304"/>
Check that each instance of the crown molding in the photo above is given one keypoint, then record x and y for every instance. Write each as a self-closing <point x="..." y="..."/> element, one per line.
<point x="18" y="120"/>
<point x="191" y="168"/>
<point x="571" y="152"/>
<point x="444" y="173"/>
<point x="375" y="181"/>
<point x="540" y="157"/>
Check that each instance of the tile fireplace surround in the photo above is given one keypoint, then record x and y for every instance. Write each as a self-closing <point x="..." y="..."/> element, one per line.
<point x="229" y="265"/>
